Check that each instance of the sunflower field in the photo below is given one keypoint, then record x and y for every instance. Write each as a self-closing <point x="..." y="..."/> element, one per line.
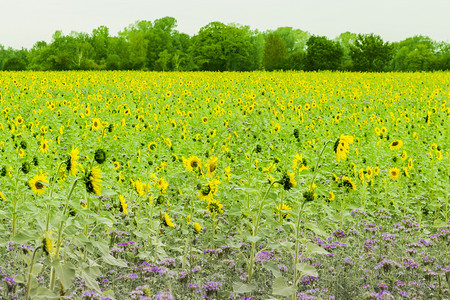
<point x="147" y="185"/>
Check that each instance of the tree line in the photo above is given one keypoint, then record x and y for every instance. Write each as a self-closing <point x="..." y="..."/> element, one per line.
<point x="158" y="46"/>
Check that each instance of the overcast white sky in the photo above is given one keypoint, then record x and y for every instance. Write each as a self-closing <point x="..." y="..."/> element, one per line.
<point x="23" y="22"/>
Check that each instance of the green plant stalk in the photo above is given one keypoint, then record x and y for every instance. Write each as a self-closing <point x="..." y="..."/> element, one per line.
<point x="60" y="229"/>
<point x="14" y="214"/>
<point x="249" y="174"/>
<point x="52" y="184"/>
<point x="186" y="245"/>
<point x="30" y="270"/>
<point x="255" y="232"/>
<point x="281" y="207"/>
<point x="297" y="228"/>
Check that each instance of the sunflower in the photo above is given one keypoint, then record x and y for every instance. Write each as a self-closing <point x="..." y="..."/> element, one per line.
<point x="410" y="163"/>
<point x="43" y="146"/>
<point x="38" y="183"/>
<point x="331" y="197"/>
<point x="162" y="185"/>
<point x="197" y="227"/>
<point x="205" y="120"/>
<point x="21" y="152"/>
<point x="96" y="123"/>
<point x="211" y="166"/>
<point x="168" y="220"/>
<point x="434" y="147"/>
<point x="214" y="207"/>
<point x="369" y="173"/>
<point x="276" y="127"/>
<point x="152" y="146"/>
<point x="405" y="172"/>
<point x="47" y="245"/>
<point x="395" y="145"/>
<point x="283" y="210"/>
<point x="72" y="163"/>
<point x="116" y="165"/>
<point x="347" y="183"/>
<point x="376" y="170"/>
<point x="394" y="173"/>
<point x="300" y="163"/>
<point x="2" y="196"/>
<point x="208" y="190"/>
<point x="404" y="155"/>
<point x="438" y="155"/>
<point x="288" y="181"/>
<point x="123" y="204"/>
<point x="19" y="120"/>
<point x="193" y="163"/>
<point x="92" y="181"/>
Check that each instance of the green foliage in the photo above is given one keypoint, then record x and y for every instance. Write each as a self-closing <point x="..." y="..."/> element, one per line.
<point x="322" y="54"/>
<point x="370" y="53"/>
<point x="220" y="47"/>
<point x="274" y="53"/>
<point x="14" y="64"/>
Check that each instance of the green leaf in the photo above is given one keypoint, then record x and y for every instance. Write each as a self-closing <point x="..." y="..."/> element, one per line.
<point x="241" y="288"/>
<point x="280" y="288"/>
<point x="25" y="237"/>
<point x="19" y="279"/>
<point x="37" y="268"/>
<point x="90" y="282"/>
<point x="43" y="293"/>
<point x="314" y="228"/>
<point x="109" y="259"/>
<point x="307" y="270"/>
<point x="66" y="273"/>
<point x="315" y="249"/>
<point x="272" y="267"/>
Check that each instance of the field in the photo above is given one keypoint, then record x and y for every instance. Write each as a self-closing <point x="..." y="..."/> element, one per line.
<point x="146" y="185"/>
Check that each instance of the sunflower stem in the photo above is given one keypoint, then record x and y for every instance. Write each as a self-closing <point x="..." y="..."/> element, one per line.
<point x="30" y="271"/>
<point x="60" y="229"/>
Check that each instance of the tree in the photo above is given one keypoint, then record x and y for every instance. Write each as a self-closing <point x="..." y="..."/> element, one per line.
<point x="274" y="53"/>
<point x="14" y="64"/>
<point x="322" y="54"/>
<point x="220" y="47"/>
<point x="370" y="54"/>
<point x="421" y="59"/>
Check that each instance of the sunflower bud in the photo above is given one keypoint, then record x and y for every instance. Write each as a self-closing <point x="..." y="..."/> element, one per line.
<point x="308" y="196"/>
<point x="100" y="156"/>
<point x="25" y="167"/>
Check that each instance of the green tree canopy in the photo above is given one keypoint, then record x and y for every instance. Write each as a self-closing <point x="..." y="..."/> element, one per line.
<point x="274" y="53"/>
<point x="370" y="53"/>
<point x="322" y="54"/>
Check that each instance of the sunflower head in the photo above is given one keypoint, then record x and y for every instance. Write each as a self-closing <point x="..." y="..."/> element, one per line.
<point x="25" y="167"/>
<point x="38" y="183"/>
<point x="168" y="221"/>
<point x="47" y="245"/>
<point x="394" y="173"/>
<point x="347" y="183"/>
<point x="92" y="181"/>
<point x="287" y="181"/>
<point x="395" y="145"/>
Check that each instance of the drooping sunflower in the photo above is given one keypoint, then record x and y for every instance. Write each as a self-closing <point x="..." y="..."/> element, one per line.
<point x="168" y="220"/>
<point x="123" y="204"/>
<point x="38" y="183"/>
<point x="395" y="145"/>
<point x="47" y="245"/>
<point x="92" y="181"/>
<point x="288" y="181"/>
<point x="331" y="197"/>
<point x="197" y="227"/>
<point x="347" y="183"/>
<point x="72" y="162"/>
<point x="211" y="166"/>
<point x="394" y="173"/>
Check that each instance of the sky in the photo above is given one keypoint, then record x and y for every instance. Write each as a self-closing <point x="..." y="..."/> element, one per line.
<point x="24" y="22"/>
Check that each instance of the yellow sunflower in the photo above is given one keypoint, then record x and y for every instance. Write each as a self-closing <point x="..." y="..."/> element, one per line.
<point x="38" y="183"/>
<point x="168" y="220"/>
<point x="72" y="163"/>
<point x="211" y="166"/>
<point x="192" y="164"/>
<point x="123" y="204"/>
<point x="44" y="146"/>
<point x="394" y="173"/>
<point x="92" y="181"/>
<point x="96" y="123"/>
<point x="395" y="145"/>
